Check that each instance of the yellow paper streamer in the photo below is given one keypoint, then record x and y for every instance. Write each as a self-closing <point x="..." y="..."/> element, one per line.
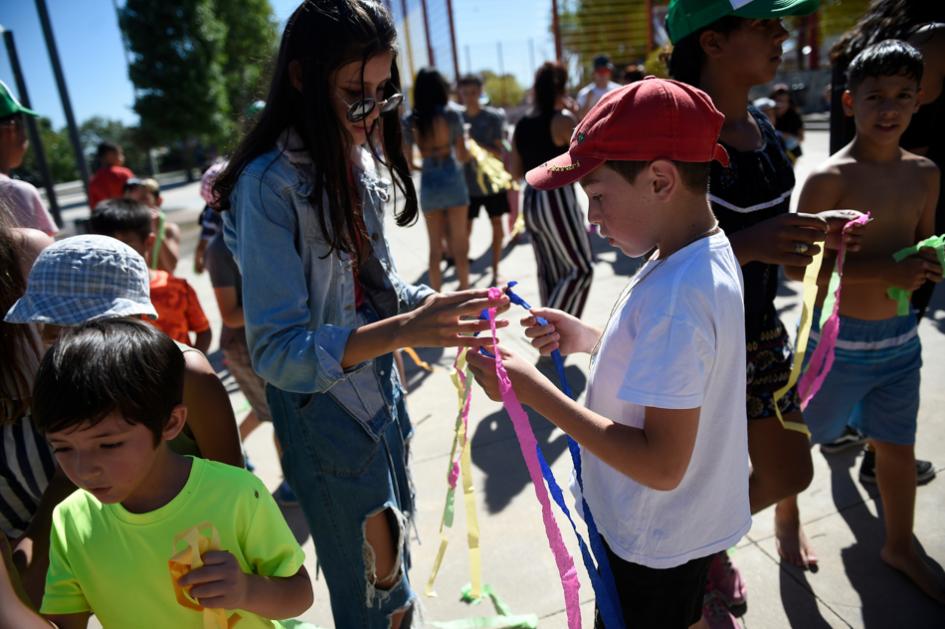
<point x="460" y="441"/>
<point x="415" y="357"/>
<point x="199" y="540"/>
<point x="491" y="174"/>
<point x="808" y="299"/>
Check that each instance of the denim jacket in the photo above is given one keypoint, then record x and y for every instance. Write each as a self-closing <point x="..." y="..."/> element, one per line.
<point x="298" y="302"/>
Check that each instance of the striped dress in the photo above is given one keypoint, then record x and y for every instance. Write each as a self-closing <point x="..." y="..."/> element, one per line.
<point x="555" y="223"/>
<point x="26" y="461"/>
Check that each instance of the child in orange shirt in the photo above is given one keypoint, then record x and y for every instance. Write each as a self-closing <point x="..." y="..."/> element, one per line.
<point x="179" y="310"/>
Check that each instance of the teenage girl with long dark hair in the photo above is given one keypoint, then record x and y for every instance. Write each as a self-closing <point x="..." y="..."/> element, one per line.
<point x="553" y="218"/>
<point x="303" y="204"/>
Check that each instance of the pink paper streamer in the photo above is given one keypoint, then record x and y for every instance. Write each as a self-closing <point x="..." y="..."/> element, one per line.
<point x="821" y="361"/>
<point x="529" y="445"/>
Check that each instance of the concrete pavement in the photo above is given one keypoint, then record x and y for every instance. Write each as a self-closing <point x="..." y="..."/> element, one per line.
<point x="842" y="517"/>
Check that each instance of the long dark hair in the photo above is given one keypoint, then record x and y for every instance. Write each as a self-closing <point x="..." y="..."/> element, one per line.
<point x="323" y="35"/>
<point x="688" y="57"/>
<point x="15" y="339"/>
<point x="431" y="93"/>
<point x="885" y="19"/>
<point x="551" y="80"/>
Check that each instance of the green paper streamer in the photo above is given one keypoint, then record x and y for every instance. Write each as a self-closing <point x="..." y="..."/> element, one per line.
<point x="902" y="296"/>
<point x="504" y="619"/>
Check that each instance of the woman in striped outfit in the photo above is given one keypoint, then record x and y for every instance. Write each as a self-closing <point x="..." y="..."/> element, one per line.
<point x="553" y="217"/>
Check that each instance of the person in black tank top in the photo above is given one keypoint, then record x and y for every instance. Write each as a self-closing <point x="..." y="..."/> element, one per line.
<point x="751" y="199"/>
<point x="553" y="218"/>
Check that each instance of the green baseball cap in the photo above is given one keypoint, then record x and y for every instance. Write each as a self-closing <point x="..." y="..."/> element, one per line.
<point x="687" y="16"/>
<point x="9" y="105"/>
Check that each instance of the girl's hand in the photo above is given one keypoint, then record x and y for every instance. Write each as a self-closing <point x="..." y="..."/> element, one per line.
<point x="527" y="381"/>
<point x="786" y="239"/>
<point x="564" y="332"/>
<point x="220" y="583"/>
<point x="836" y="221"/>
<point x="450" y="320"/>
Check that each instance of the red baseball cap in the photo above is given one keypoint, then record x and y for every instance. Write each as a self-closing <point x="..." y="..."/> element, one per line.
<point x="650" y="119"/>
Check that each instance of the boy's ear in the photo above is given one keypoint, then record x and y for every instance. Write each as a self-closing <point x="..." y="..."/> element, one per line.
<point x="175" y="424"/>
<point x="149" y="242"/>
<point x="846" y="100"/>
<point x="664" y="178"/>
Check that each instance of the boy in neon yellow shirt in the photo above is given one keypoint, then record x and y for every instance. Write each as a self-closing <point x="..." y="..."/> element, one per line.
<point x="119" y="545"/>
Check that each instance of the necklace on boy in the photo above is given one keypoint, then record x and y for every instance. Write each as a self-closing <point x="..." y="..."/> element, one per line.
<point x="640" y="278"/>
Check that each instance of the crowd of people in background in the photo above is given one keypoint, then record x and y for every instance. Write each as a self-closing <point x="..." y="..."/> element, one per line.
<point x="118" y="432"/>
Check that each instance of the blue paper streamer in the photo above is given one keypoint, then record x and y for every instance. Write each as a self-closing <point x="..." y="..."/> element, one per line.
<point x="602" y="578"/>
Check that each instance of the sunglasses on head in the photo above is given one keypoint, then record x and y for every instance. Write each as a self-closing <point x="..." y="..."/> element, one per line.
<point x="361" y="109"/>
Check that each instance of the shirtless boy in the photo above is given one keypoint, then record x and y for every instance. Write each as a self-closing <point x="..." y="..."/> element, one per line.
<point x="874" y="383"/>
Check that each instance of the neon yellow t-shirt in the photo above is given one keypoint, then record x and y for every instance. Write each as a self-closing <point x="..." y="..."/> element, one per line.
<point x="113" y="563"/>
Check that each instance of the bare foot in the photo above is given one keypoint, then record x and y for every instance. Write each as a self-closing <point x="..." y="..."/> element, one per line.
<point x="914" y="567"/>
<point x="789" y="535"/>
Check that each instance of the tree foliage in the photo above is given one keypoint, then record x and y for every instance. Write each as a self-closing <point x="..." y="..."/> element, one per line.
<point x="503" y="90"/>
<point x="59" y="156"/>
<point x="248" y="49"/>
<point x="176" y="67"/>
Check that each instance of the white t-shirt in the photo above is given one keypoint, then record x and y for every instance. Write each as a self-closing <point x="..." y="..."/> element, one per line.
<point x="676" y="340"/>
<point x="590" y="93"/>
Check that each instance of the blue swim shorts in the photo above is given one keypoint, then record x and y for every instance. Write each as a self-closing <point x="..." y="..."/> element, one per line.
<point x="874" y="383"/>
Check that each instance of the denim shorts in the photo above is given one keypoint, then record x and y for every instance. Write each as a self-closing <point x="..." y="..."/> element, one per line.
<point x="345" y="470"/>
<point x="874" y="383"/>
<point x="442" y="184"/>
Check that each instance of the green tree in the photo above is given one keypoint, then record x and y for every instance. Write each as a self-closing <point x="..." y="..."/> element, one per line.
<point x="503" y="90"/>
<point x="58" y="156"/>
<point x="177" y="69"/>
<point x="248" y="49"/>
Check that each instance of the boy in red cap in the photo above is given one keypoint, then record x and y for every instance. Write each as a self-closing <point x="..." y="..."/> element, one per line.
<point x="663" y="436"/>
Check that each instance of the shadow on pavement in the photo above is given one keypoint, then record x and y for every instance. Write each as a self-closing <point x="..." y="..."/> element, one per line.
<point x="887" y="598"/>
<point x="798" y="603"/>
<point x="495" y="450"/>
<point x="295" y="518"/>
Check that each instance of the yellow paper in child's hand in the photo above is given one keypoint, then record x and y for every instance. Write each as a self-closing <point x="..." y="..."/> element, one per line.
<point x="196" y="541"/>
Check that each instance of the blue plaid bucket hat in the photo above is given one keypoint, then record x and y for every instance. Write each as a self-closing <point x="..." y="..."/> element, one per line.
<point x="85" y="278"/>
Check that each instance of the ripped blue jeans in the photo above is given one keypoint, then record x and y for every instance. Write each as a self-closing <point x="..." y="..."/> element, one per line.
<point x="345" y="470"/>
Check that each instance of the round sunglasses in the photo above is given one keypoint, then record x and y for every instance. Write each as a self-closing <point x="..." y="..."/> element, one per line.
<point x="361" y="109"/>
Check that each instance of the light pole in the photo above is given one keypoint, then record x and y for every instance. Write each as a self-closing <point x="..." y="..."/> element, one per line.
<point x="63" y="93"/>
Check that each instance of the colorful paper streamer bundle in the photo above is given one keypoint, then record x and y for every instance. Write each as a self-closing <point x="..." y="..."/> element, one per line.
<point x="601" y="576"/>
<point x="821" y="361"/>
<point x="197" y="541"/>
<point x="529" y="447"/>
<point x="900" y="295"/>
<point x="460" y="463"/>
<point x="491" y="174"/>
<point x="808" y="299"/>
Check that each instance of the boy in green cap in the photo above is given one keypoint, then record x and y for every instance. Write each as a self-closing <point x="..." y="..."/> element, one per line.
<point x="18" y="198"/>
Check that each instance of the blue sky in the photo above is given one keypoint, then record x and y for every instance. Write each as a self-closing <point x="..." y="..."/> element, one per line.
<point x="94" y="64"/>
